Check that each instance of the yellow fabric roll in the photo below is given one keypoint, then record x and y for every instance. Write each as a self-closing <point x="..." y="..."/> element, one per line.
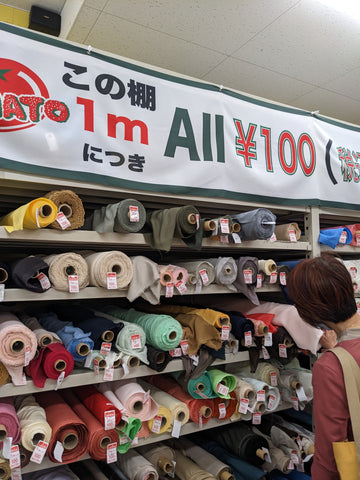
<point x="5" y="469"/>
<point x="166" y="420"/>
<point x="38" y="213"/>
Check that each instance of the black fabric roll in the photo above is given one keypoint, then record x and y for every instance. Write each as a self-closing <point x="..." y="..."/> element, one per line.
<point x="158" y="359"/>
<point x="243" y="442"/>
<point x="281" y="336"/>
<point x="24" y="273"/>
<point x="220" y="353"/>
<point x="5" y="273"/>
<point x="239" y="325"/>
<point x="258" y="224"/>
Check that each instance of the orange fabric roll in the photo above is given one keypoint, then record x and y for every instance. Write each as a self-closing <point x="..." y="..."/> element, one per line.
<point x="230" y="406"/>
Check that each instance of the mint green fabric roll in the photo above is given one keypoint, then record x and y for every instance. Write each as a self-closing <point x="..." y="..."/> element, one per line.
<point x="217" y="376"/>
<point x="128" y="433"/>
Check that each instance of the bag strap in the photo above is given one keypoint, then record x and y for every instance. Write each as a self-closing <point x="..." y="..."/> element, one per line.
<point x="351" y="372"/>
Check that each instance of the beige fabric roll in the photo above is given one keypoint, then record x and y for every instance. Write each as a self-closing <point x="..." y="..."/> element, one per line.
<point x="101" y="263"/>
<point x="65" y="264"/>
<point x="33" y="424"/>
<point x="282" y="232"/>
<point x="137" y="467"/>
<point x="186" y="469"/>
<point x="267" y="266"/>
<point x="161" y="456"/>
<point x="70" y="205"/>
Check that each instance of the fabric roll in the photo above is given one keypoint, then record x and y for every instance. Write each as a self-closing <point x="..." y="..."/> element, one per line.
<point x="69" y="204"/>
<point x="304" y="375"/>
<point x="101" y="263"/>
<point x="198" y="332"/>
<point x="241" y="469"/>
<point x="15" y="338"/>
<point x="178" y="409"/>
<point x="282" y="232"/>
<point x="204" y="459"/>
<point x="38" y="213"/>
<point x="136" y="467"/>
<point x="187" y="469"/>
<point x="332" y="236"/>
<point x="25" y="456"/>
<point x="199" y="409"/>
<point x="58" y="473"/>
<point x="245" y="389"/>
<point x="130" y="331"/>
<point x="279" y="460"/>
<point x="166" y="274"/>
<point x="267" y="266"/>
<point x="145" y="282"/>
<point x="200" y="387"/>
<point x="25" y="273"/>
<point x="230" y="405"/>
<point x="5" y="470"/>
<point x="127" y="433"/>
<point x="273" y="399"/>
<point x="113" y="471"/>
<point x="116" y="217"/>
<point x="4" y="374"/>
<point x="51" y="361"/>
<point x="264" y="371"/>
<point x="5" y="273"/>
<point x="161" y="456"/>
<point x="282" y="440"/>
<point x="158" y="359"/>
<point x="90" y="470"/>
<point x="226" y="271"/>
<point x="144" y="431"/>
<point x="135" y="403"/>
<point x="44" y="337"/>
<point x="246" y="279"/>
<point x="200" y="272"/>
<point x="220" y="378"/>
<point x="165" y="421"/>
<point x="75" y="340"/>
<point x="239" y="326"/>
<point x="9" y="422"/>
<point x="166" y="224"/>
<point x="99" y="438"/>
<point x="67" y="428"/>
<point x="33" y="423"/>
<point x="65" y="264"/>
<point x="289" y="379"/>
<point x="258" y="224"/>
<point x="97" y="403"/>
<point x="285" y="270"/>
<point x="355" y="231"/>
<point x="282" y="337"/>
<point x="162" y="331"/>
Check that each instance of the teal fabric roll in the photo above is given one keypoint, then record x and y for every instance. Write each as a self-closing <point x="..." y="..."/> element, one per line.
<point x="202" y="384"/>
<point x="162" y="331"/>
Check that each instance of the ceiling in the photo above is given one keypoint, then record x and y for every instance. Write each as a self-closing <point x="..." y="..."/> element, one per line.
<point x="304" y="53"/>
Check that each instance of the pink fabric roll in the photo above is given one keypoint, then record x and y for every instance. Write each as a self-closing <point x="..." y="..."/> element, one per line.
<point x="136" y="404"/>
<point x="166" y="274"/>
<point x="9" y="420"/>
<point x="180" y="274"/>
<point x="106" y="390"/>
<point x="18" y="345"/>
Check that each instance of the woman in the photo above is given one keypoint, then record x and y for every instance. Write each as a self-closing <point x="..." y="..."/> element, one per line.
<point x="322" y="291"/>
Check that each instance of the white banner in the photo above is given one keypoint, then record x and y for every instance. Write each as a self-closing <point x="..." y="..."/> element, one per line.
<point x="69" y="113"/>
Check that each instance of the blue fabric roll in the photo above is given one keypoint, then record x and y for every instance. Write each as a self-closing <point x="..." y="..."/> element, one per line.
<point x="331" y="236"/>
<point x="294" y="475"/>
<point x="290" y="263"/>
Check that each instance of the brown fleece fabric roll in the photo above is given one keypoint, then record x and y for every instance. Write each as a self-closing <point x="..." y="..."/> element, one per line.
<point x="70" y="205"/>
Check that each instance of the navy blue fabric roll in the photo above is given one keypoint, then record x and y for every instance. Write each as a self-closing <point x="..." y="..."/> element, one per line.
<point x="331" y="236"/>
<point x="239" y="325"/>
<point x="290" y="263"/>
<point x="294" y="475"/>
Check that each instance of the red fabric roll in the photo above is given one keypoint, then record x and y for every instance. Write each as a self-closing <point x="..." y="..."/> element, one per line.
<point x="99" y="438"/>
<point x="265" y="318"/>
<point x="66" y="426"/>
<point x="97" y="403"/>
<point x="230" y="405"/>
<point x="43" y="366"/>
<point x="196" y="406"/>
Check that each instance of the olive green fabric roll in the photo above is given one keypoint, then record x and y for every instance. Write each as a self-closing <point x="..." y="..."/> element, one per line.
<point x="116" y="217"/>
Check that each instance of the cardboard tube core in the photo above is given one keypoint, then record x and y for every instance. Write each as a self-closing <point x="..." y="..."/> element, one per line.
<point x="192" y="218"/>
<point x="223" y="321"/>
<point x="167" y="278"/>
<point x="228" y="270"/>
<point x="3" y="275"/>
<point x="160" y="358"/>
<point x="107" y="336"/>
<point x="236" y="227"/>
<point x="225" y="475"/>
<point x="17" y="346"/>
<point x="165" y="465"/>
<point x="117" y="363"/>
<point x="3" y="432"/>
<point x="261" y="407"/>
<point x="138" y="406"/>
<point x="288" y="343"/>
<point x="249" y="394"/>
<point x="2" y="473"/>
<point x="200" y="386"/>
<point x="209" y="226"/>
<point x="150" y="476"/>
<point x="231" y="343"/>
<point x="45" y="211"/>
<point x="65" y="209"/>
<point x="45" y="340"/>
<point x="82" y="349"/>
<point x="116" y="269"/>
<point x="180" y="416"/>
<point x="69" y="270"/>
<point x="205" y="411"/>
<point x="70" y="441"/>
<point x="263" y="329"/>
<point x="260" y="453"/>
<point x="172" y="335"/>
<point x="105" y="442"/>
<point x="102" y="362"/>
<point x="134" y="362"/>
<point x="37" y="437"/>
<point x="295" y="385"/>
<point x="60" y="365"/>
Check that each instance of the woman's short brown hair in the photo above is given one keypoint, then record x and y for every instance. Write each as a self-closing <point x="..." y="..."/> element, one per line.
<point x="322" y="290"/>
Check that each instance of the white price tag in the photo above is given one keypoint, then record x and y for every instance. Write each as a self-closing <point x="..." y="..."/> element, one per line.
<point x="256" y="418"/>
<point x="96" y="366"/>
<point x="273" y="379"/>
<point x="135" y="341"/>
<point x="27" y="355"/>
<point x="258" y="280"/>
<point x="105" y="348"/>
<point x="265" y="353"/>
<point x="268" y="339"/>
<point x="243" y="405"/>
<point x="134" y="213"/>
<point x="16" y="474"/>
<point x="184" y="344"/>
<point x="357" y="238"/>
<point x="135" y="441"/>
<point x="282" y="351"/>
<point x="146" y="396"/>
<point x="58" y="451"/>
<point x="109" y="420"/>
<point x="247" y="276"/>
<point x="176" y="429"/>
<point x="111" y="453"/>
<point x="222" y="389"/>
<point x="44" y="281"/>
<point x="292" y="236"/>
<point x="197" y="215"/>
<point x="125" y="368"/>
<point x="39" y="452"/>
<point x="224" y="238"/>
<point x="181" y="287"/>
<point x="195" y="359"/>
<point x="111" y="281"/>
<point x="343" y="237"/>
<point x="271" y="402"/>
<point x="282" y="278"/>
<point x="200" y="421"/>
<point x="300" y="392"/>
<point x="295" y="403"/>
<point x="2" y="292"/>
<point x="169" y="290"/>
<point x="353" y="272"/>
<point x="156" y="426"/>
<point x="248" y="339"/>
<point x="222" y="410"/>
<point x="236" y="237"/>
<point x="73" y="283"/>
<point x="7" y="447"/>
<point x="224" y="225"/>
<point x="225" y="332"/>
<point x="109" y="374"/>
<point x="260" y="396"/>
<point x="273" y="238"/>
<point x="62" y="220"/>
<point x="60" y="379"/>
<point x="204" y="276"/>
<point x="294" y="457"/>
<point x="176" y="352"/>
<point x="273" y="277"/>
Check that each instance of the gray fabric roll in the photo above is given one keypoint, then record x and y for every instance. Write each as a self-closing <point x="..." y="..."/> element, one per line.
<point x="187" y="469"/>
<point x="161" y="456"/>
<point x="115" y="218"/>
<point x="248" y="289"/>
<point x="195" y="267"/>
<point x="136" y="467"/>
<point x="257" y="224"/>
<point x="225" y="271"/>
<point x="145" y="282"/>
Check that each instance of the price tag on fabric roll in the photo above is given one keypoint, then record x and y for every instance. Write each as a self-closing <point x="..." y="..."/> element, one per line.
<point x="236" y="237"/>
<point x="169" y="289"/>
<point x="295" y="402"/>
<point x="204" y="276"/>
<point x="125" y="368"/>
<point x="39" y="452"/>
<point x="292" y="236"/>
<point x="248" y="339"/>
<point x="282" y="276"/>
<point x="343" y="237"/>
<point x="256" y="418"/>
<point x="224" y="239"/>
<point x="111" y="281"/>
<point x="105" y="348"/>
<point x="134" y="213"/>
<point x="156" y="426"/>
<point x="294" y="457"/>
<point x="268" y="339"/>
<point x="291" y="465"/>
<point x="222" y="410"/>
<point x="58" y="451"/>
<point x="301" y="395"/>
<point x="109" y="420"/>
<point x="73" y="283"/>
<point x="201" y="394"/>
<point x="197" y="216"/>
<point x="16" y="474"/>
<point x="27" y="355"/>
<point x="267" y="456"/>
<point x="124" y="439"/>
<point x="273" y="379"/>
<point x="272" y="238"/>
<point x="353" y="271"/>
<point x="273" y="277"/>
<point x="265" y="353"/>
<point x="225" y="332"/>
<point x="200" y="421"/>
<point x="135" y="441"/>
<point x="195" y="359"/>
<point x="176" y="352"/>
<point x="282" y="351"/>
<point x="135" y="341"/>
<point x="88" y="360"/>
<point x="222" y="389"/>
<point x="146" y="396"/>
<point x="109" y="374"/>
<point x="184" y="344"/>
<point x="181" y="287"/>
<point x="62" y="220"/>
<point x="260" y="396"/>
<point x="243" y="405"/>
<point x="2" y="292"/>
<point x="247" y="276"/>
<point x="300" y="467"/>
<point x="111" y="453"/>
<point x="271" y="402"/>
<point x="7" y="447"/>
<point x="96" y="366"/>
<point x="224" y="225"/>
<point x="44" y="281"/>
<point x="258" y="280"/>
<point x="175" y="432"/>
<point x="60" y="379"/>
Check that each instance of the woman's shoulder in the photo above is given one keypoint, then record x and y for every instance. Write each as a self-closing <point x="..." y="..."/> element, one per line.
<point x="329" y="361"/>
